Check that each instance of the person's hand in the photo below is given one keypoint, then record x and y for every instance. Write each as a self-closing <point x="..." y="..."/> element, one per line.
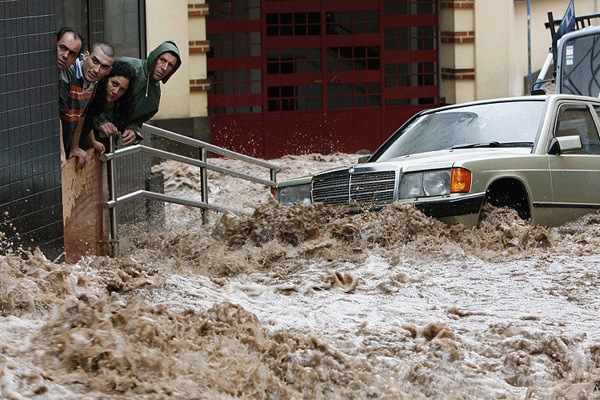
<point x="98" y="147"/>
<point x="108" y="129"/>
<point x="128" y="137"/>
<point x="81" y="156"/>
<point x="63" y="158"/>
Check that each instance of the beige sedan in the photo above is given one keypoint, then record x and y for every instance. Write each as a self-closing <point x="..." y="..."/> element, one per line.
<point x="538" y="154"/>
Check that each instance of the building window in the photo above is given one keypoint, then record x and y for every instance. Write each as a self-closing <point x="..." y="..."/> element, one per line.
<point x="358" y="58"/>
<point x="354" y="95"/>
<point x="293" y="61"/>
<point x="409" y="7"/>
<point x="237" y="10"/>
<point x="238" y="81"/>
<point x="236" y="110"/>
<point x="294" y="24"/>
<point x="294" y="98"/>
<point x="411" y="74"/>
<point x="352" y="22"/>
<point x="410" y="38"/>
<point x="238" y="44"/>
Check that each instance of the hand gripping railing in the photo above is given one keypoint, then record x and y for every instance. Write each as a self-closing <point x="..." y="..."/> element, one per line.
<point x="202" y="162"/>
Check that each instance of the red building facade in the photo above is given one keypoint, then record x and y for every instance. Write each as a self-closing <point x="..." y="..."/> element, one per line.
<point x="292" y="77"/>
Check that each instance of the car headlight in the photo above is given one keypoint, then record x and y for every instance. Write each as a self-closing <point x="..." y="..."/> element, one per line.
<point x="435" y="183"/>
<point x="425" y="184"/>
<point x="288" y="195"/>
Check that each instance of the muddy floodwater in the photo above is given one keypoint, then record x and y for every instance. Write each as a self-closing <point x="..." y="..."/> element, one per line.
<point x="308" y="303"/>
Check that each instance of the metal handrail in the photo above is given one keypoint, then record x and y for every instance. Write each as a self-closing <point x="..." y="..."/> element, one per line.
<point x="156" y="131"/>
<point x="169" y="199"/>
<point x="139" y="148"/>
<point x="202" y="162"/>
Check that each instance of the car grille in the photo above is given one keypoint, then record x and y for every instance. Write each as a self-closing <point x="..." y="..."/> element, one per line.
<point x="372" y="187"/>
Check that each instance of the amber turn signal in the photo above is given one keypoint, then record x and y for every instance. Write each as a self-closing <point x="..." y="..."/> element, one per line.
<point x="460" y="181"/>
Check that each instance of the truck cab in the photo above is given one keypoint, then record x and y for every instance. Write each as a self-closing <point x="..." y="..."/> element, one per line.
<point x="578" y="62"/>
<point x="573" y="63"/>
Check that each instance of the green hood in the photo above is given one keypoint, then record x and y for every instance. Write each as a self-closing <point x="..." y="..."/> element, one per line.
<point x="167" y="46"/>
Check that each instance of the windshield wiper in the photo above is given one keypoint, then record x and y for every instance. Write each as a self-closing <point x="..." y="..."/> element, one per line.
<point x="492" y="144"/>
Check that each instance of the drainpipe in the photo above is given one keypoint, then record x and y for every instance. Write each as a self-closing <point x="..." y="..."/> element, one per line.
<point x="528" y="46"/>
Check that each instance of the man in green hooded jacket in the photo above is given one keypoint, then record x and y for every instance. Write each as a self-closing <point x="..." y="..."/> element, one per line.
<point x="161" y="64"/>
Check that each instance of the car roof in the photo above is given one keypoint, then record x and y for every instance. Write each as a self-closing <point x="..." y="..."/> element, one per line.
<point x="537" y="98"/>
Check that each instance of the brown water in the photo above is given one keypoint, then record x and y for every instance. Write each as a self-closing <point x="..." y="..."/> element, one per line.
<point x="308" y="303"/>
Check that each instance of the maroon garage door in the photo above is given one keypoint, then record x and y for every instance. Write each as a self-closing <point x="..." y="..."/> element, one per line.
<point x="291" y="77"/>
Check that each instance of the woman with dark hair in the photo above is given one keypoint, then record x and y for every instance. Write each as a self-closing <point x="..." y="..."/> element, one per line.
<point x="115" y="99"/>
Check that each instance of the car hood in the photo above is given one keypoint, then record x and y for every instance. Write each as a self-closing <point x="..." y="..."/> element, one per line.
<point x="437" y="159"/>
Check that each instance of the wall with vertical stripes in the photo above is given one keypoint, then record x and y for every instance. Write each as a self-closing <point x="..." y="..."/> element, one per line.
<point x="30" y="178"/>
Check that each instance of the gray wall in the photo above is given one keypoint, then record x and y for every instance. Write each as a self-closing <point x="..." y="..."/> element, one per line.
<point x="30" y="185"/>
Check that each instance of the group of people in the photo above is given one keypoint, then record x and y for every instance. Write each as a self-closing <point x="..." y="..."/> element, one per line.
<point x="102" y="96"/>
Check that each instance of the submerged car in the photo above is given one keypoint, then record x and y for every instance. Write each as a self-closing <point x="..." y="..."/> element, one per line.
<point x="539" y="155"/>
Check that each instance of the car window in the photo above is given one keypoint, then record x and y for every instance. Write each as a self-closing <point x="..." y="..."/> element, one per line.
<point x="514" y="122"/>
<point x="576" y="119"/>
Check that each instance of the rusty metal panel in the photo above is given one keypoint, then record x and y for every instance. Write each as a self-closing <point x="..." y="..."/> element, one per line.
<point x="86" y="224"/>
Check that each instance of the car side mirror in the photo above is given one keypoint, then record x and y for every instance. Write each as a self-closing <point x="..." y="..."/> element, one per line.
<point x="561" y="144"/>
<point x="363" y="159"/>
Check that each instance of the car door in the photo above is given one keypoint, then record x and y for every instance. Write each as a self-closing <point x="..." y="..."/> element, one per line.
<point x="575" y="174"/>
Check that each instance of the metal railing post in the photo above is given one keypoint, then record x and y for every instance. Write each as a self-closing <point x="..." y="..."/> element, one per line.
<point x="204" y="185"/>
<point x="113" y="240"/>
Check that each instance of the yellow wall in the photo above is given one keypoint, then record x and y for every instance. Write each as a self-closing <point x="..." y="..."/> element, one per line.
<point x="168" y="20"/>
<point x="198" y="67"/>
<point x="457" y="56"/>
<point x="493" y="55"/>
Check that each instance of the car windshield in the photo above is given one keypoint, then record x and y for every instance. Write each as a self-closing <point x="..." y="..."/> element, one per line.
<point x="512" y="123"/>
